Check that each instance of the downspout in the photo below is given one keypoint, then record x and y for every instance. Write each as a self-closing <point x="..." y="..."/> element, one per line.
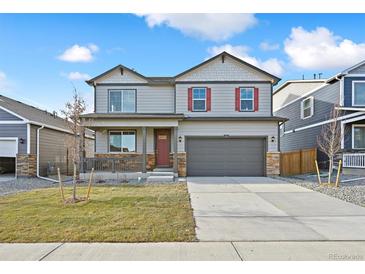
<point x="44" y="178"/>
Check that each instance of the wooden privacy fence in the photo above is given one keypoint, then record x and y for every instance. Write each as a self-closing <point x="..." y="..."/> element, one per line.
<point x="298" y="162"/>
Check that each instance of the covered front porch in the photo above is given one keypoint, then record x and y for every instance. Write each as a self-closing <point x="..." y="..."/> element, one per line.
<point x="133" y="147"/>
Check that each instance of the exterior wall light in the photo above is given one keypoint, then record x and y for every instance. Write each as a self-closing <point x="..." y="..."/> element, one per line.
<point x="180" y="139"/>
<point x="272" y="139"/>
<point x="21" y="140"/>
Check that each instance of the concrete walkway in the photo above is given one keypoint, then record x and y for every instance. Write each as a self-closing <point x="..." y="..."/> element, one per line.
<point x="199" y="251"/>
<point x="265" y="209"/>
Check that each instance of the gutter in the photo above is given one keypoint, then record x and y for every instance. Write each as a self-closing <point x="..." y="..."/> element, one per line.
<point x="38" y="176"/>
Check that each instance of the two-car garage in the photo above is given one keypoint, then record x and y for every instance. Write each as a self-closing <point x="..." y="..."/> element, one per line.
<point x="226" y="156"/>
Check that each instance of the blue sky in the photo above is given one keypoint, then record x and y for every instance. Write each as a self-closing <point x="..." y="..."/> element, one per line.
<point x="43" y="56"/>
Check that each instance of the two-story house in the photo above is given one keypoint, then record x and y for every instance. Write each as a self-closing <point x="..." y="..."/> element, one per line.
<point x="215" y="119"/>
<point x="308" y="103"/>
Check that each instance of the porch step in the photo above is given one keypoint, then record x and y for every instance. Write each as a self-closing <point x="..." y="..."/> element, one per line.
<point x="163" y="169"/>
<point x="160" y="179"/>
<point x="161" y="173"/>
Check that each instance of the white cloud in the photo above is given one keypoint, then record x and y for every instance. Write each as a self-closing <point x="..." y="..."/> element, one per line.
<point x="265" y="46"/>
<point x="78" y="53"/>
<point x="271" y="65"/>
<point x="75" y="75"/>
<point x="322" y="49"/>
<point x="209" y="26"/>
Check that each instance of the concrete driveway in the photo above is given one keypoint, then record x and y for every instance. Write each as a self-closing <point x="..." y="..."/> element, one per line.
<point x="265" y="209"/>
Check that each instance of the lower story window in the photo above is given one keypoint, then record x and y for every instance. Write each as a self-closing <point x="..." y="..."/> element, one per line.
<point x="122" y="141"/>
<point x="359" y="137"/>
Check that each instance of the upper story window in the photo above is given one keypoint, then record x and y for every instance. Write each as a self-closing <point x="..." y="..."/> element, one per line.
<point x="307" y="107"/>
<point x="122" y="100"/>
<point x="358" y="93"/>
<point x="199" y="99"/>
<point x="122" y="141"/>
<point x="246" y="99"/>
<point x="358" y="135"/>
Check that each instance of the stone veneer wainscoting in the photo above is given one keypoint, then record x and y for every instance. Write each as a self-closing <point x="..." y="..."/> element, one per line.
<point x="272" y="163"/>
<point x="26" y="165"/>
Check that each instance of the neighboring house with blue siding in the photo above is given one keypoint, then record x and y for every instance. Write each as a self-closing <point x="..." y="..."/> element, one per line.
<point x="308" y="104"/>
<point x="32" y="140"/>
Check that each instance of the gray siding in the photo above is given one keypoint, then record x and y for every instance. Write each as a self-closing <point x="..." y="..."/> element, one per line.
<point x="223" y="99"/>
<point x="302" y="140"/>
<point x="53" y="149"/>
<point x="347" y="89"/>
<point x="358" y="70"/>
<point x="233" y="128"/>
<point x="17" y="130"/>
<point x="150" y="99"/>
<point x="6" y="116"/>
<point x="324" y="99"/>
<point x="33" y="139"/>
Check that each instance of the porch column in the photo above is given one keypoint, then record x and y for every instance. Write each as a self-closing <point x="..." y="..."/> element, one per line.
<point x="175" y="150"/>
<point x="144" y="149"/>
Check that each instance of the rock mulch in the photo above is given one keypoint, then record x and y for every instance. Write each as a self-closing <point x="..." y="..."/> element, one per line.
<point x="353" y="192"/>
<point x="23" y="184"/>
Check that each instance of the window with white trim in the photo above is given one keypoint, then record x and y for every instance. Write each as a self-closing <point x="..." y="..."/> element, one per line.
<point x="358" y="137"/>
<point x="199" y="99"/>
<point x="307" y="107"/>
<point x="358" y="93"/>
<point x="122" y="141"/>
<point x="247" y="99"/>
<point x="122" y="100"/>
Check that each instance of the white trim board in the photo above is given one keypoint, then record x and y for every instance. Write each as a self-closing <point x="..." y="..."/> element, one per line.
<point x="325" y="122"/>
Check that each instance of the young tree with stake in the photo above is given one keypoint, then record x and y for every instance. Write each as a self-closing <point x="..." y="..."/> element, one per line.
<point x="329" y="141"/>
<point x="72" y="112"/>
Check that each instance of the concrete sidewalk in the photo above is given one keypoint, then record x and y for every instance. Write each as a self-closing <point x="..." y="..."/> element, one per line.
<point x="197" y="251"/>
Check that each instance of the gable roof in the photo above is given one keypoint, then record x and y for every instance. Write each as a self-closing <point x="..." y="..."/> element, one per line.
<point x="304" y="84"/>
<point x="34" y="115"/>
<point x="224" y="53"/>
<point x="346" y="71"/>
<point x="171" y="80"/>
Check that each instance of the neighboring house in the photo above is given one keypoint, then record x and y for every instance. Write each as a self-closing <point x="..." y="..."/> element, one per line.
<point x="308" y="104"/>
<point x="213" y="119"/>
<point x="22" y="128"/>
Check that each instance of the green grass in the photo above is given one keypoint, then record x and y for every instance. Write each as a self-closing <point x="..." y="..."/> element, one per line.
<point x="147" y="213"/>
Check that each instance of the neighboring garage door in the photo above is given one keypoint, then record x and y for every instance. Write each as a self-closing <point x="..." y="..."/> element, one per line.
<point x="218" y="156"/>
<point x="8" y="148"/>
<point x="8" y="151"/>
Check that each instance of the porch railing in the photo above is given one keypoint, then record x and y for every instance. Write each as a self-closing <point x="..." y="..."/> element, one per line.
<point x="355" y="160"/>
<point x="128" y="164"/>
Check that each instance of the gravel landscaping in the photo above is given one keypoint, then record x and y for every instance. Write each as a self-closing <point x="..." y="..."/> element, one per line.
<point x="353" y="191"/>
<point x="23" y="184"/>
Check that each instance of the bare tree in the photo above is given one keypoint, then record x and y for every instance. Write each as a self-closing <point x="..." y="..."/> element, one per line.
<point x="329" y="141"/>
<point x="72" y="112"/>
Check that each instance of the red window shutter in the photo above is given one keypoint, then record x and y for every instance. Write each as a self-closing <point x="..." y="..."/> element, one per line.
<point x="256" y="100"/>
<point x="190" y="99"/>
<point x="209" y="99"/>
<point x="237" y="100"/>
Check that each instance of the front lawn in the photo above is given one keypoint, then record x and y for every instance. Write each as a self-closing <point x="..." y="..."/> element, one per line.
<point x="146" y="213"/>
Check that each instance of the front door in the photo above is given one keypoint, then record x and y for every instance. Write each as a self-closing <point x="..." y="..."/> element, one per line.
<point x="162" y="147"/>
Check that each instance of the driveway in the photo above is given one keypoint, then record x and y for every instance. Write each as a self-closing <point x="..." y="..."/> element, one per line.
<point x="266" y="209"/>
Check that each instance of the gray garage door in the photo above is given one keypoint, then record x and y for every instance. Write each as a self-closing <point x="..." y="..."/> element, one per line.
<point x="225" y="156"/>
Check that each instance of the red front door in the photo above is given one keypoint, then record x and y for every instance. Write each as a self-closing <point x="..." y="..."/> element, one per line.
<point x="162" y="147"/>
